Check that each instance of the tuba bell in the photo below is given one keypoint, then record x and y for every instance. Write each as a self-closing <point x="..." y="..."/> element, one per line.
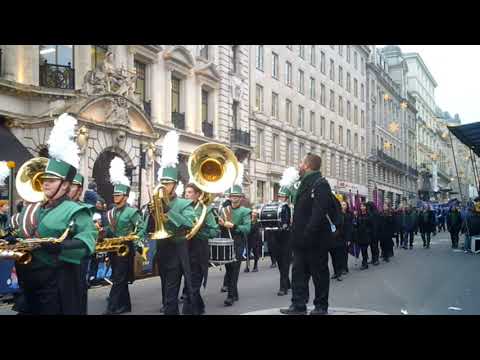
<point x="213" y="168"/>
<point x="28" y="182"/>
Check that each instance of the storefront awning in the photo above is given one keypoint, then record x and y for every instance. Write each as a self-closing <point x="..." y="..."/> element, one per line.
<point x="11" y="149"/>
<point x="469" y="135"/>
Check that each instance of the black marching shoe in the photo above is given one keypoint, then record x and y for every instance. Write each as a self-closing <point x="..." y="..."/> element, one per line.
<point x="386" y="259"/>
<point x="122" y="310"/>
<point x="292" y="310"/>
<point x="255" y="269"/>
<point x="274" y="265"/>
<point x="228" y="301"/>
<point x="345" y="272"/>
<point x="334" y="276"/>
<point x="162" y="310"/>
<point x="246" y="270"/>
<point x="364" y="266"/>
<point x="223" y="289"/>
<point x="376" y="262"/>
<point x="319" y="311"/>
<point x="235" y="298"/>
<point x="282" y="292"/>
<point x="339" y="277"/>
<point x="411" y="247"/>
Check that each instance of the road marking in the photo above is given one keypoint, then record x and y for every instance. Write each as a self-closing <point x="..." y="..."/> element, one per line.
<point x="454" y="308"/>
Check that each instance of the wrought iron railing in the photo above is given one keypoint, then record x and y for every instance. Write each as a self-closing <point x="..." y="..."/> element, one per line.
<point x="147" y="107"/>
<point x="207" y="129"/>
<point x="57" y="76"/>
<point x="241" y="137"/>
<point x="178" y="120"/>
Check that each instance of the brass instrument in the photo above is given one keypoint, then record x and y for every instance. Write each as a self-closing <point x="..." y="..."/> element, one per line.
<point x="213" y="168"/>
<point x="158" y="213"/>
<point x="115" y="244"/>
<point x="21" y="252"/>
<point x="28" y="182"/>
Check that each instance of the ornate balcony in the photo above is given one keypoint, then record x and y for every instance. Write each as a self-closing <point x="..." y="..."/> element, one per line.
<point x="412" y="171"/>
<point x="178" y="120"/>
<point x="57" y="76"/>
<point x="394" y="163"/>
<point x="240" y="137"/>
<point x="207" y="129"/>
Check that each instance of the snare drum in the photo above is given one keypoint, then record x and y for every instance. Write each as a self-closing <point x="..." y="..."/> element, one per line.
<point x="275" y="216"/>
<point x="221" y="251"/>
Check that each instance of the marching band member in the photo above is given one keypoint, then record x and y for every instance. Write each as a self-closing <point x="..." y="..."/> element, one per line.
<point x="50" y="280"/>
<point x="198" y="248"/>
<point x="122" y="220"/>
<point x="172" y="252"/>
<point x="239" y="228"/>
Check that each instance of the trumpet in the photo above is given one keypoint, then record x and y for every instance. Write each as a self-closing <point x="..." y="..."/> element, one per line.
<point x="115" y="244"/>
<point x="21" y="252"/>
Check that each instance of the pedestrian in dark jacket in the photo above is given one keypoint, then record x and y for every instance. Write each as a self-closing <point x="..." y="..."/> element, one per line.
<point x="337" y="251"/>
<point x="311" y="238"/>
<point x="454" y="225"/>
<point x="387" y="233"/>
<point x="408" y="226"/>
<point x="426" y="225"/>
<point x="363" y="233"/>
<point x="347" y="233"/>
<point x="91" y="195"/>
<point x="375" y="233"/>
<point x="254" y="243"/>
<point x="397" y="220"/>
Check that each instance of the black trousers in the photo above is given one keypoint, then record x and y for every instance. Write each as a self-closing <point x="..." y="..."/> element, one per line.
<point x="454" y="238"/>
<point x="119" y="298"/>
<point x="338" y="258"/>
<point x="232" y="271"/>
<point x="405" y="237"/>
<point x="310" y="262"/>
<point x="271" y="244"/>
<point x="374" y="249"/>
<point x="41" y="290"/>
<point x="282" y="251"/>
<point x="254" y="245"/>
<point x="386" y="245"/>
<point x="364" y="250"/>
<point x="397" y="239"/>
<point x="72" y="283"/>
<point x="425" y="238"/>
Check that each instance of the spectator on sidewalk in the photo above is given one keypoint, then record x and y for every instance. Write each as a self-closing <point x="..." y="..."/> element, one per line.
<point x="454" y="224"/>
<point x="91" y="195"/>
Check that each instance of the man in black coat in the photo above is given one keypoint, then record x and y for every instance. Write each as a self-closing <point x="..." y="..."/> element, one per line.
<point x="426" y="225"/>
<point x="454" y="225"/>
<point x="311" y="238"/>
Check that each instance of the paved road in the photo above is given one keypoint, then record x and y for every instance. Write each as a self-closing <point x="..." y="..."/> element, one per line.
<point x="416" y="282"/>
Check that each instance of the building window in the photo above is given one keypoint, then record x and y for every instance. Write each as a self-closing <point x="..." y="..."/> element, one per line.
<point x="301" y="51"/>
<point x="340" y="106"/>
<point x="313" y="89"/>
<point x="349" y="82"/>
<point x="98" y="53"/>
<point x="340" y="50"/>
<point x="140" y="85"/>
<point x="301" y="117"/>
<point x="362" y="119"/>
<point x="312" y="122"/>
<point x="57" y="55"/>
<point x="362" y="63"/>
<point x="275" y="148"/>
<point x="175" y="95"/>
<point x="340" y="135"/>
<point x="357" y="173"/>
<point x="301" y="150"/>
<point x="235" y="107"/>
<point x="349" y="139"/>
<point x="349" y="111"/>
<point x="260" y="57"/>
<point x="259" y="146"/>
<point x="355" y="115"/>
<point x="362" y="92"/>
<point x="289" y="155"/>
<point x="332" y="70"/>
<point x="204" y="51"/>
<point x="204" y="106"/>
<point x="313" y="55"/>
<point x="288" y="73"/>
<point x="355" y="60"/>
<point x="57" y="66"/>
<point x="322" y="127"/>
<point x="259" y="98"/>
<point x="332" y="100"/>
<point x="288" y="111"/>
<point x="275" y="64"/>
<point x="322" y="95"/>
<point x="355" y="143"/>
<point x="348" y="53"/>
<point x="260" y="191"/>
<point x="363" y="175"/>
<point x="340" y="76"/>
<point x="349" y="170"/>
<point x="324" y="162"/>
<point x="301" y="82"/>
<point x="332" y="166"/>
<point x="341" y="168"/>
<point x="355" y="88"/>
<point x="235" y="59"/>
<point x="362" y="144"/>
<point x="274" y="105"/>
<point x="322" y="62"/>
<point x="332" y="131"/>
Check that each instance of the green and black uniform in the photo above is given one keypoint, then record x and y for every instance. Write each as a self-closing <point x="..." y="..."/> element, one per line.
<point x="52" y="280"/>
<point x="122" y="222"/>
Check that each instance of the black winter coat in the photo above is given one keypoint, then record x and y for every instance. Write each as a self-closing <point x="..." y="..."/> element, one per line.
<point x="454" y="223"/>
<point x="346" y="233"/>
<point x="310" y="228"/>
<point x="363" y="229"/>
<point x="388" y="227"/>
<point x="426" y="225"/>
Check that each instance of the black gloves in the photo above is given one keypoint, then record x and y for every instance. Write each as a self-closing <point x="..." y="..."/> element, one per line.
<point x="226" y="203"/>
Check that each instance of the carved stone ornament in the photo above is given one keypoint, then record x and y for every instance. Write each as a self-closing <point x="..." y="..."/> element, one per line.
<point x="82" y="138"/>
<point x="237" y="89"/>
<point x="118" y="112"/>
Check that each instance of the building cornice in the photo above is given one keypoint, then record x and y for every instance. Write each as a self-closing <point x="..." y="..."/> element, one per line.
<point x="420" y="60"/>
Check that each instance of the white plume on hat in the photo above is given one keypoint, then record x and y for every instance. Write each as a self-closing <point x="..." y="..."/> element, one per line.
<point x="241" y="170"/>
<point x="4" y="172"/>
<point x="170" y="148"/>
<point x="179" y="189"/>
<point x="289" y="176"/>
<point x="117" y="172"/>
<point x="132" y="197"/>
<point x="61" y="144"/>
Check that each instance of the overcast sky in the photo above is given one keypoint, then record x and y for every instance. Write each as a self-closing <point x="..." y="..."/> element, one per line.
<point x="456" y="69"/>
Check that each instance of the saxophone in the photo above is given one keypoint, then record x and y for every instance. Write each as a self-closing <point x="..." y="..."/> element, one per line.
<point x="116" y="244"/>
